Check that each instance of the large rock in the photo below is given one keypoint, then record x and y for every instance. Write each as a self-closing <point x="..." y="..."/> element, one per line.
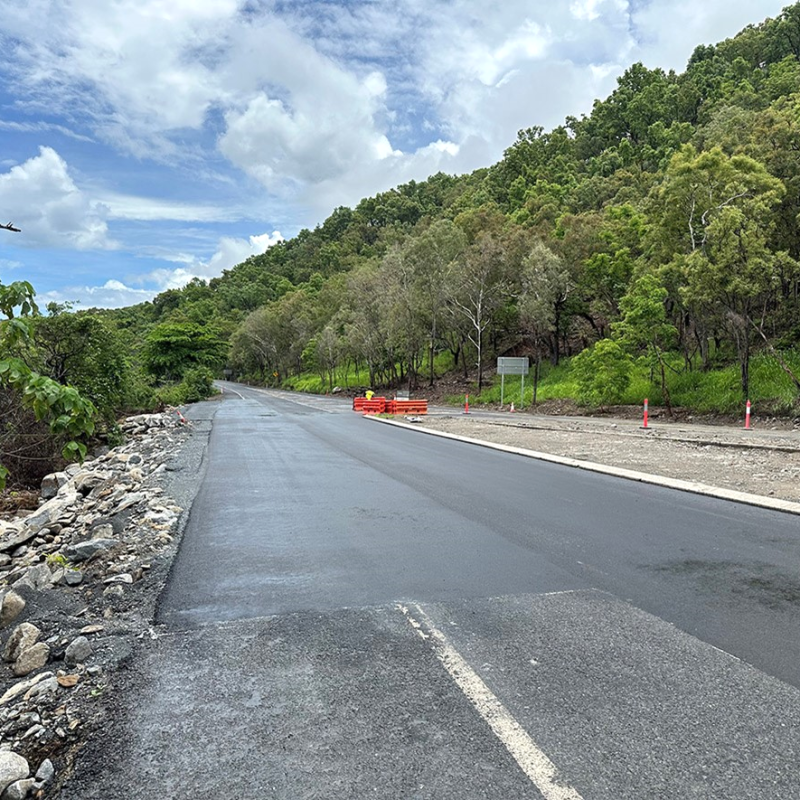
<point x="19" y="790"/>
<point x="23" y="637"/>
<point x="35" y="657"/>
<point x="23" y="687"/>
<point x="86" y="481"/>
<point x="52" y="483"/>
<point x="13" y="767"/>
<point x="78" y="651"/>
<point x="12" y="607"/>
<point x="83" y="551"/>
<point x="36" y="577"/>
<point x="51" y="511"/>
<point x="17" y="538"/>
<point x="46" y="771"/>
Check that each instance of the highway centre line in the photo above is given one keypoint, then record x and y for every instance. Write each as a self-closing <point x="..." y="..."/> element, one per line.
<point x="694" y="487"/>
<point x="532" y="760"/>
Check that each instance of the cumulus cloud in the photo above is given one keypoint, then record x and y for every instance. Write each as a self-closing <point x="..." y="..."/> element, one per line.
<point x="138" y="289"/>
<point x="112" y="294"/>
<point x="46" y="204"/>
<point x="322" y="102"/>
<point x="317" y="92"/>
<point x="230" y="251"/>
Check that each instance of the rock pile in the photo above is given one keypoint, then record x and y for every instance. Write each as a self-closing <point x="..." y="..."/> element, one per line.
<point x="69" y="577"/>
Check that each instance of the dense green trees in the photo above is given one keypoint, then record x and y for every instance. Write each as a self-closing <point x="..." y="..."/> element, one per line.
<point x="663" y="226"/>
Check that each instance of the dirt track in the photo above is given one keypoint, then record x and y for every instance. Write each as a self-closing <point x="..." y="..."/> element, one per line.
<point x="759" y="461"/>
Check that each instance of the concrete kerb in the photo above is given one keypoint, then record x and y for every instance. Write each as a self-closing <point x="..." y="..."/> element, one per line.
<point x="694" y="487"/>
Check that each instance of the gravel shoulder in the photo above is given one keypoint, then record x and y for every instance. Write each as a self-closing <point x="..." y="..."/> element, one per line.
<point x="80" y="577"/>
<point x="759" y="461"/>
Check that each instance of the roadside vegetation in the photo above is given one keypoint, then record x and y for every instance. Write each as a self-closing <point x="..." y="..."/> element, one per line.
<point x="649" y="249"/>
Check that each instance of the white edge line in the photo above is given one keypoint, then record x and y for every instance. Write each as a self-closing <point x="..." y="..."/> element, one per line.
<point x="539" y="769"/>
<point x="694" y="487"/>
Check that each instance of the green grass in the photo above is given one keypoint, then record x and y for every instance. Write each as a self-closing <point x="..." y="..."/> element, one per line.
<point x="716" y="391"/>
<point x="312" y="383"/>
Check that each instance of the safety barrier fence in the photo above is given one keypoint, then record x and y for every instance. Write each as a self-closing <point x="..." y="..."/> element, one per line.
<point x="380" y="405"/>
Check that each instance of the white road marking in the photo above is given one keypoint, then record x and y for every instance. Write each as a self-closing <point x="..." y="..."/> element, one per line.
<point x="223" y="390"/>
<point x="532" y="760"/>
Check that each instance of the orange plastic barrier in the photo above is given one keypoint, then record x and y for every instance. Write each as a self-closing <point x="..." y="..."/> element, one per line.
<point x="375" y="406"/>
<point x="410" y="407"/>
<point x="380" y="405"/>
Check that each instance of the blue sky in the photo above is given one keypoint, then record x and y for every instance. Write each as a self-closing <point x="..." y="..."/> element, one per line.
<point x="146" y="142"/>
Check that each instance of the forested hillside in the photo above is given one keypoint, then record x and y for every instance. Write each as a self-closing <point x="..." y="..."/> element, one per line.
<point x="656" y="236"/>
<point x="664" y="223"/>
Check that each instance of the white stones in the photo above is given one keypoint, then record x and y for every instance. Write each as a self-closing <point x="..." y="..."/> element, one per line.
<point x="52" y="510"/>
<point x="31" y="659"/>
<point x="43" y="689"/>
<point x="23" y="637"/>
<point x="13" y="767"/>
<point x="23" y="687"/>
<point x="122" y="578"/>
<point x="13" y="605"/>
<point x="18" y="790"/>
<point x="108" y="512"/>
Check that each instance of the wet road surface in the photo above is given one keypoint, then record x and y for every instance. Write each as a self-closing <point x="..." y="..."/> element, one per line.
<point x="360" y="611"/>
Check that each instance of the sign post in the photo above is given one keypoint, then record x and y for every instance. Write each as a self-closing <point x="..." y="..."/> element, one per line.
<point x="512" y="366"/>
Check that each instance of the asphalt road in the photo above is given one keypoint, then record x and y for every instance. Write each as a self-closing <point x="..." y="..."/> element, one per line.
<point x="361" y="611"/>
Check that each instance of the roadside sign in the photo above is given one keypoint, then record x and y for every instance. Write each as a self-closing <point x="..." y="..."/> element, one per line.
<point x="512" y="366"/>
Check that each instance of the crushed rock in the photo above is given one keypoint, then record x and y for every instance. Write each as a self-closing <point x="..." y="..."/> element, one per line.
<point x="101" y="526"/>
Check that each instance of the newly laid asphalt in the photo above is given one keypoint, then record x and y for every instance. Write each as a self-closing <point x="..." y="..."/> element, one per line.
<point x="363" y="611"/>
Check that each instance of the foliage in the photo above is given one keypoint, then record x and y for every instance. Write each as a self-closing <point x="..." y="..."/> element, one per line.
<point x="665" y="220"/>
<point x="70" y="416"/>
<point x="602" y="373"/>
<point x="197" y="384"/>
<point x="173" y="348"/>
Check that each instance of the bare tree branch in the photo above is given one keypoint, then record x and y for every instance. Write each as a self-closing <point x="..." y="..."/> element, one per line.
<point x="9" y="227"/>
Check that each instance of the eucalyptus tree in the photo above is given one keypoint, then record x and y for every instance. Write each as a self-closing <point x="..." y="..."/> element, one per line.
<point x="429" y="256"/>
<point x="478" y="285"/>
<point x="716" y="215"/>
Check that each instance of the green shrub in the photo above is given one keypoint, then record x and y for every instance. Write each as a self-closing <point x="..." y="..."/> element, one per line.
<point x="603" y="373"/>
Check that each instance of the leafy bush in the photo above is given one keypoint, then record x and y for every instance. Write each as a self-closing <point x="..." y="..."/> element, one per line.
<point x="603" y="373"/>
<point x="197" y="384"/>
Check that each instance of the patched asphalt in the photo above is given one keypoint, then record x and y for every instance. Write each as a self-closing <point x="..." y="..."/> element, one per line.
<point x="589" y="606"/>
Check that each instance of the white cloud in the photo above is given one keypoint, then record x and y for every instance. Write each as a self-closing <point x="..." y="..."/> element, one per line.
<point x="46" y="204"/>
<point x="118" y="294"/>
<point x="321" y="102"/>
<point x="112" y="294"/>
<point x="230" y="251"/>
<point x="669" y="30"/>
<point x="132" y="207"/>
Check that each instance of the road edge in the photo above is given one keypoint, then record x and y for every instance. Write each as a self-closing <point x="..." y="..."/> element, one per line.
<point x="694" y="487"/>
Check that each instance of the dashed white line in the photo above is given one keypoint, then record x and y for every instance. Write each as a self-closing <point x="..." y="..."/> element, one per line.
<point x="531" y="758"/>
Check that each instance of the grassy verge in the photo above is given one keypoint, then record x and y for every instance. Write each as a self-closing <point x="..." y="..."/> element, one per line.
<point x="714" y="391"/>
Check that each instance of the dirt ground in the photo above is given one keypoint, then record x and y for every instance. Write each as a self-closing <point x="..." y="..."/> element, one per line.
<point x="764" y="460"/>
